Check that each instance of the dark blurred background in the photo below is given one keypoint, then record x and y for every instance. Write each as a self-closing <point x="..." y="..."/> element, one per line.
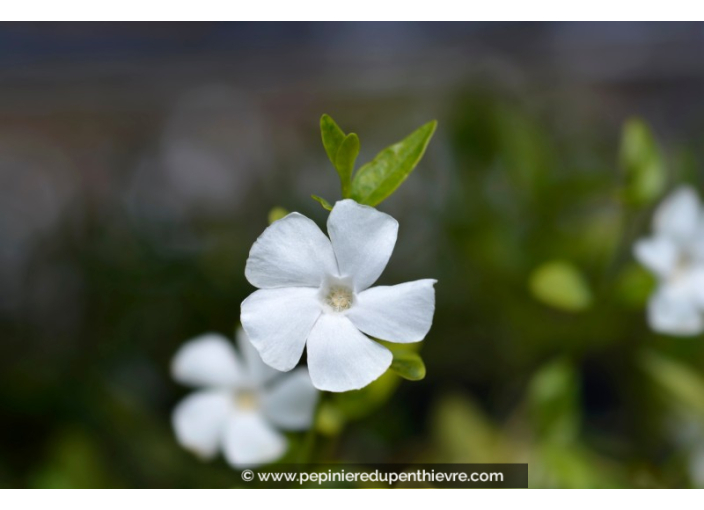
<point x="139" y="161"/>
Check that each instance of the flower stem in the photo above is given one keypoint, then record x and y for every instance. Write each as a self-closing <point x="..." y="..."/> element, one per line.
<point x="307" y="448"/>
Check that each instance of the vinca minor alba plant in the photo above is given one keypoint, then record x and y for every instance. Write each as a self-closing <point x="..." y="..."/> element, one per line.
<point x="315" y="292"/>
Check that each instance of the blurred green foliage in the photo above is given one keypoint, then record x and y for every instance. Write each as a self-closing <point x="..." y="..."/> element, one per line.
<point x="561" y="285"/>
<point x="539" y="352"/>
<point x="642" y="164"/>
<point x="554" y="402"/>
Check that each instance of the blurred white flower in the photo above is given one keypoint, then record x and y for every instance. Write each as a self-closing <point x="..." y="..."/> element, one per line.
<point x="675" y="254"/>
<point x="38" y="184"/>
<point x="213" y="146"/>
<point x="241" y="402"/>
<point x="315" y="292"/>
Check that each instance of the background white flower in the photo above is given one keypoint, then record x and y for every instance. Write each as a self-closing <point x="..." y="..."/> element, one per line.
<point x="675" y="254"/>
<point x="241" y="402"/>
<point x="315" y="292"/>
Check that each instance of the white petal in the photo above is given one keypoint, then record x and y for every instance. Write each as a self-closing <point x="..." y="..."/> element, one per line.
<point x="363" y="239"/>
<point x="340" y="358"/>
<point x="694" y="280"/>
<point x="659" y="254"/>
<point x="278" y="322"/>
<point x="679" y="214"/>
<point x="249" y="441"/>
<point x="401" y="313"/>
<point x="697" y="243"/>
<point x="292" y="252"/>
<point x="208" y="360"/>
<point x="199" y="420"/>
<point x="671" y="311"/>
<point x="258" y="371"/>
<point x="290" y="403"/>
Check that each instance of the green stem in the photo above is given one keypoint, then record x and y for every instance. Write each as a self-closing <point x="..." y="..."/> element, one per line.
<point x="307" y="448"/>
<point x="346" y="188"/>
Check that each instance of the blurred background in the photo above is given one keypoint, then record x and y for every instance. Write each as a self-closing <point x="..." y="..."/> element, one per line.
<point x="139" y="162"/>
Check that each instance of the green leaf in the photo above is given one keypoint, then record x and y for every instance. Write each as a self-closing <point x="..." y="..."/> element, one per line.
<point x="276" y="214"/>
<point x="395" y="347"/>
<point x="461" y="432"/>
<point x="561" y="285"/>
<point x="677" y="379"/>
<point x="332" y="136"/>
<point x="344" y="162"/>
<point x="642" y="164"/>
<point x="329" y="420"/>
<point x="379" y="178"/>
<point x="553" y="399"/>
<point x="342" y="151"/>
<point x="357" y="404"/>
<point x="560" y="466"/>
<point x="326" y="205"/>
<point x="73" y="460"/>
<point x="408" y="365"/>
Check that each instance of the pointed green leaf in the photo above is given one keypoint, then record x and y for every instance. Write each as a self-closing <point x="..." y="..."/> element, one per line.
<point x="379" y="178"/>
<point x="326" y="205"/>
<point x="561" y="285"/>
<point x="344" y="162"/>
<point x="642" y="163"/>
<point x="332" y="136"/>
<point x="408" y="365"/>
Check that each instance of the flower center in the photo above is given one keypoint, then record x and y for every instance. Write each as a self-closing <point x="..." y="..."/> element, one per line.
<point x="336" y="294"/>
<point x="682" y="267"/>
<point x="339" y="298"/>
<point x="246" y="400"/>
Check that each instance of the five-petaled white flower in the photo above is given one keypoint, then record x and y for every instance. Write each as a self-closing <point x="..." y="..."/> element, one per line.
<point x="315" y="292"/>
<point x="241" y="402"/>
<point x="675" y="254"/>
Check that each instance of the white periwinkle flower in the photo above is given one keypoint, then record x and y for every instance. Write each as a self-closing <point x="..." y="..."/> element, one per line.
<point x="675" y="254"/>
<point x="315" y="292"/>
<point x="241" y="402"/>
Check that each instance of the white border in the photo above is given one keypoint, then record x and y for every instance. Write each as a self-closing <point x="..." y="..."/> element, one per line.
<point x="359" y="10"/>
<point x="329" y="499"/>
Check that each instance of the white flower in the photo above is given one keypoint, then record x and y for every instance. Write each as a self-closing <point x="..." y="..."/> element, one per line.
<point x="315" y="292"/>
<point x="675" y="254"/>
<point x="241" y="402"/>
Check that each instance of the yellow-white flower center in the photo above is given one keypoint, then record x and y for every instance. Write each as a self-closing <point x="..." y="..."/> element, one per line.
<point x="339" y="298"/>
<point x="246" y="400"/>
<point x="682" y="267"/>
